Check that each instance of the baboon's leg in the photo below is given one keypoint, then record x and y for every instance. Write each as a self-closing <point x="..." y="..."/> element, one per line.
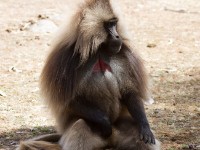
<point x="80" y="137"/>
<point x="44" y="142"/>
<point x="126" y="137"/>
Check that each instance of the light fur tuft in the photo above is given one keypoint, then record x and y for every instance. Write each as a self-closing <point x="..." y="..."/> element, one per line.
<point x="86" y="29"/>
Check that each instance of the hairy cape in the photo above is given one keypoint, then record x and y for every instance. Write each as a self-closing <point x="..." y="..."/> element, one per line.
<point x="63" y="69"/>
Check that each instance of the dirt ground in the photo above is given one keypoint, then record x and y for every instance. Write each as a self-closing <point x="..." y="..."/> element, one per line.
<point x="166" y="34"/>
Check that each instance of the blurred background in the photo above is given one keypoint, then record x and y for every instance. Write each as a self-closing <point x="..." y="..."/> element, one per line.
<point x="165" y="33"/>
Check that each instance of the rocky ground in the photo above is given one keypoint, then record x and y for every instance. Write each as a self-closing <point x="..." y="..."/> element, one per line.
<point x="166" y="34"/>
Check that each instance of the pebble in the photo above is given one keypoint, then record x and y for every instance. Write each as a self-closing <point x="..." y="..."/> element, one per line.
<point x="2" y="93"/>
<point x="151" y="45"/>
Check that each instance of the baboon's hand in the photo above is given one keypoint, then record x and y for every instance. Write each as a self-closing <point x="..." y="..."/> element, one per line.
<point x="146" y="135"/>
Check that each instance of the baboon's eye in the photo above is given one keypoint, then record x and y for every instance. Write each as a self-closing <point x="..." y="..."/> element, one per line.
<point x="112" y="22"/>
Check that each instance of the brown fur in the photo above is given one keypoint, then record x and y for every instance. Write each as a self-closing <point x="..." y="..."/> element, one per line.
<point x="58" y="87"/>
<point x="38" y="145"/>
<point x="67" y="74"/>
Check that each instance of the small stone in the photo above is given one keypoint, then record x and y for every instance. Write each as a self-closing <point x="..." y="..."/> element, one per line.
<point x="2" y="94"/>
<point x="40" y="16"/>
<point x="170" y="41"/>
<point x="13" y="143"/>
<point x="14" y="69"/>
<point x="37" y="38"/>
<point x="151" y="45"/>
<point x="149" y="101"/>
<point x="8" y="30"/>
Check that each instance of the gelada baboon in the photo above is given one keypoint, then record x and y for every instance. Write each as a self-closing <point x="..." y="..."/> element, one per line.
<point x="95" y="85"/>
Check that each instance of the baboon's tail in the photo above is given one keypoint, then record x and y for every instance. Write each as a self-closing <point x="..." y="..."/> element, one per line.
<point x="44" y="142"/>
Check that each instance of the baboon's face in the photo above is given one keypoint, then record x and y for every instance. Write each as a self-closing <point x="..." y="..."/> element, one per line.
<point x="113" y="42"/>
<point x="98" y="29"/>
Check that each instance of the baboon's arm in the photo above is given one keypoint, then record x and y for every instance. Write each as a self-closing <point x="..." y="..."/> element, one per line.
<point x="88" y="111"/>
<point x="136" y="109"/>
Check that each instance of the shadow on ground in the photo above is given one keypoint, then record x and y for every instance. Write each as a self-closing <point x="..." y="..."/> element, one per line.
<point x="9" y="140"/>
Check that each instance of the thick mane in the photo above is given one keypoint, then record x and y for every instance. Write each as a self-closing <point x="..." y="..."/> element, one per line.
<point x="59" y="76"/>
<point x="85" y="27"/>
<point x="138" y="73"/>
<point x="82" y="38"/>
<point x="91" y="32"/>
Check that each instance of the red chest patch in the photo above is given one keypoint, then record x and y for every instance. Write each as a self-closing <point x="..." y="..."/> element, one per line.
<point x="101" y="66"/>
